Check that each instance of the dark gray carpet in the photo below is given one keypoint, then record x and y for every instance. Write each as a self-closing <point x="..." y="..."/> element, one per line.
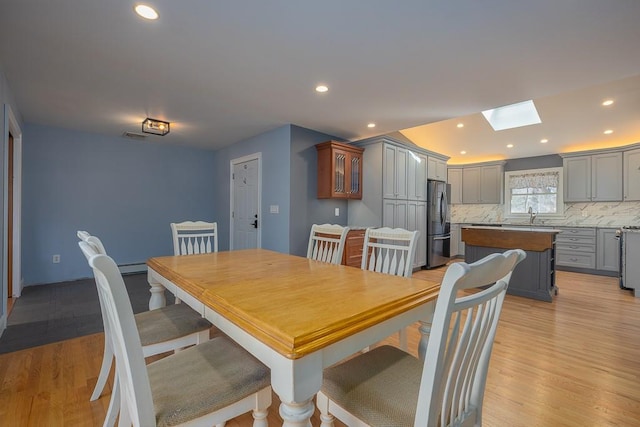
<point x="60" y="311"/>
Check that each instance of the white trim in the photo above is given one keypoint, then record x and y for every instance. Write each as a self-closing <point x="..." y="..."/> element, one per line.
<point x="16" y="132"/>
<point x="232" y="163"/>
<point x="133" y="268"/>
<point x="559" y="198"/>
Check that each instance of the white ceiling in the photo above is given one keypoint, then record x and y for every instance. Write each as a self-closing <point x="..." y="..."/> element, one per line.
<point x="223" y="71"/>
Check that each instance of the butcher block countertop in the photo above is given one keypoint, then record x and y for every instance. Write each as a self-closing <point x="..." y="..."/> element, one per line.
<point x="527" y="238"/>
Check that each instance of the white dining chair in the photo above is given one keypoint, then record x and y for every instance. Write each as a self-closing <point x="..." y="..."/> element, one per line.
<point x="389" y="387"/>
<point x="194" y="237"/>
<point x="207" y="384"/>
<point x="169" y="328"/>
<point x="326" y="243"/>
<point x="390" y="251"/>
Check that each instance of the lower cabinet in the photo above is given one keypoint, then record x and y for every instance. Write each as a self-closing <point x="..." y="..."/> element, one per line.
<point x="576" y="247"/>
<point x="608" y="250"/>
<point x="410" y="215"/>
<point x="352" y="254"/>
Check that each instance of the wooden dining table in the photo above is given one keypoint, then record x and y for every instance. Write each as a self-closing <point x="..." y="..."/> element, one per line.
<point x="295" y="315"/>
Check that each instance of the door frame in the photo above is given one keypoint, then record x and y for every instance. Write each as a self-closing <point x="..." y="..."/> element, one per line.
<point x="232" y="163"/>
<point x="12" y="125"/>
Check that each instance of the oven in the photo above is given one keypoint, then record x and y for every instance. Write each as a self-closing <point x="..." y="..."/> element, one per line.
<point x="629" y="239"/>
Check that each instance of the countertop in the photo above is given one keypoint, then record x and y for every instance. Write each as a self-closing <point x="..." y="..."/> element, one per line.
<point x="535" y="229"/>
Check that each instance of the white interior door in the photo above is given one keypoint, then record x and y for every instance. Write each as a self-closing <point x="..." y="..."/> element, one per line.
<point x="245" y="202"/>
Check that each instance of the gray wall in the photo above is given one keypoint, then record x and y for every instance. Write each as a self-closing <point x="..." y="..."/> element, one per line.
<point x="126" y="192"/>
<point x="306" y="208"/>
<point x="538" y="162"/>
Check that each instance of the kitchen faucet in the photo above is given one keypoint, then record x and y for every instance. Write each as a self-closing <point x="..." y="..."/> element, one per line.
<point x="532" y="215"/>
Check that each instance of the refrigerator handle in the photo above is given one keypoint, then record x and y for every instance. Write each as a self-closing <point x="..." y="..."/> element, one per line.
<point x="442" y="208"/>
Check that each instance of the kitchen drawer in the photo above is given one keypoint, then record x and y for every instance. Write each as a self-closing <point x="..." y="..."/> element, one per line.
<point x="575" y="259"/>
<point x="575" y="247"/>
<point x="577" y="232"/>
<point x="576" y="240"/>
<point x="352" y="255"/>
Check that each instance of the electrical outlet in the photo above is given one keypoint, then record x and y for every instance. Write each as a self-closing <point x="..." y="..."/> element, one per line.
<point x="56" y="259"/>
<point x="337" y="211"/>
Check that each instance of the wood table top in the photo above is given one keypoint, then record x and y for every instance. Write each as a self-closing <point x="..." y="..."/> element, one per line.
<point x="292" y="304"/>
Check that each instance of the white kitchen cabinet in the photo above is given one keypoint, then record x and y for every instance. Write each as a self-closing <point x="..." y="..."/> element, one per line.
<point x="437" y="169"/>
<point x="416" y="176"/>
<point x="482" y="184"/>
<point x="454" y="177"/>
<point x="631" y="175"/>
<point x="394" y="172"/>
<point x="455" y="239"/>
<point x="607" y="250"/>
<point x="395" y="192"/>
<point x="593" y="178"/>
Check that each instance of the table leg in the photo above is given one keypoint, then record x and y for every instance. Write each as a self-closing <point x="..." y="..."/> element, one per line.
<point x="157" y="298"/>
<point x="297" y="414"/>
<point x="425" y="331"/>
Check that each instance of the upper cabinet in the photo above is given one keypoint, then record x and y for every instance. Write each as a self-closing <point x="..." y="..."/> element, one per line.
<point x="437" y="169"/>
<point x="631" y="171"/>
<point x="593" y="178"/>
<point x="404" y="174"/>
<point x="454" y="177"/>
<point x="339" y="171"/>
<point x="482" y="183"/>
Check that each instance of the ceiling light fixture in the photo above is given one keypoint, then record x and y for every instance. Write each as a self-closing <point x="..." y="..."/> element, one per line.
<point x="509" y="145"/>
<point x="460" y="125"/>
<point x="463" y="152"/>
<point x="512" y="116"/>
<point x="147" y="12"/>
<point x="608" y="132"/>
<point x="322" y="88"/>
<point x="607" y="102"/>
<point x="544" y="141"/>
<point x="371" y="125"/>
<point x="155" y="127"/>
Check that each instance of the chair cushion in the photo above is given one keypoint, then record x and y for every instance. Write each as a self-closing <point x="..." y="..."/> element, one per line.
<point x="380" y="387"/>
<point x="170" y="322"/>
<point x="203" y="379"/>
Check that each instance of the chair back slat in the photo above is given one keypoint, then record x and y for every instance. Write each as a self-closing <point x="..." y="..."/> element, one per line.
<point x="326" y="243"/>
<point x="194" y="237"/>
<point x="389" y="250"/>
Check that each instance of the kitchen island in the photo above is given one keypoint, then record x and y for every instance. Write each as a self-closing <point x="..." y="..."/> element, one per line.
<point x="534" y="277"/>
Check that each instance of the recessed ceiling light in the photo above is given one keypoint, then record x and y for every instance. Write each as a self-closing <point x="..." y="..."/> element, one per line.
<point x="608" y="132"/>
<point x="607" y="102"/>
<point x="544" y="141"/>
<point x="463" y="152"/>
<point x="322" y="88"/>
<point x="509" y="145"/>
<point x="512" y="116"/>
<point x="460" y="125"/>
<point x="371" y="125"/>
<point x="146" y="12"/>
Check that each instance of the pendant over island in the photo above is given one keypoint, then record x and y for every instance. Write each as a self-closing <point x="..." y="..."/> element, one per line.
<point x="535" y="276"/>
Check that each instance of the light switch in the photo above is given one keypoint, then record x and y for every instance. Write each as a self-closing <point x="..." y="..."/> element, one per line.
<point x="337" y="211"/>
<point x="274" y="209"/>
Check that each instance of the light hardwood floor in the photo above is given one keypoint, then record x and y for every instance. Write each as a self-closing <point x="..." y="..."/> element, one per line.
<point x="573" y="362"/>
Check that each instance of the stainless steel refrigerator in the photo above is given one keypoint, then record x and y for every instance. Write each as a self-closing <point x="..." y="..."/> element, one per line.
<point x="438" y="227"/>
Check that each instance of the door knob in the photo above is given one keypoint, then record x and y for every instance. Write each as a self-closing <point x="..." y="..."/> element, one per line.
<point x="255" y="222"/>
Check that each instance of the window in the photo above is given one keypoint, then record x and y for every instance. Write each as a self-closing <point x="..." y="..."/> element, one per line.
<point x="539" y="190"/>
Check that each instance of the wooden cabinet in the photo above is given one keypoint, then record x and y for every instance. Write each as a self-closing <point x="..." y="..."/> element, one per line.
<point x="593" y="178"/>
<point x="454" y="177"/>
<point x="482" y="184"/>
<point x="631" y="175"/>
<point x="607" y="250"/>
<point x="437" y="169"/>
<point x="352" y="254"/>
<point x="339" y="171"/>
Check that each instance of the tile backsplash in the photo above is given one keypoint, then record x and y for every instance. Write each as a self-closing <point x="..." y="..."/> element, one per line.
<point x="600" y="214"/>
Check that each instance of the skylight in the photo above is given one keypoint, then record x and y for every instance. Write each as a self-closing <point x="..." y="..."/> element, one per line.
<point x="513" y="116"/>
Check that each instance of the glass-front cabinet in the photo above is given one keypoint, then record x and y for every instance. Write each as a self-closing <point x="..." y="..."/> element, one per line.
<point x="339" y="171"/>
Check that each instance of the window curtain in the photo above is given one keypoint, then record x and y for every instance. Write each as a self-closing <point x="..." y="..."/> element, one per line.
<point x="543" y="180"/>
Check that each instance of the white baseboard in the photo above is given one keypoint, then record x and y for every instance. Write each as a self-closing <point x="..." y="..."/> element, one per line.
<point x="3" y="323"/>
<point x="132" y="268"/>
